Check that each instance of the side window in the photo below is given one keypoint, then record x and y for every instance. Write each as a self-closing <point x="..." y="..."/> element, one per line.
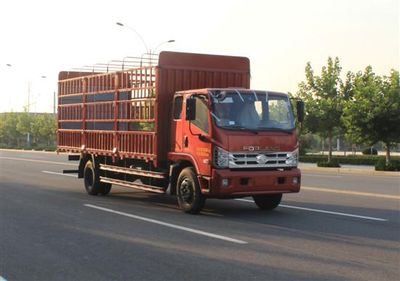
<point x="201" y="120"/>
<point x="178" y="107"/>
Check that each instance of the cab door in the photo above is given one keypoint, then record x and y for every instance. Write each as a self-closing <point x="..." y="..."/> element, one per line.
<point x="192" y="143"/>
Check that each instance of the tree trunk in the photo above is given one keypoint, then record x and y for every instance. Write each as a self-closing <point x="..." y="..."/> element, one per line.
<point x="387" y="153"/>
<point x="330" y="146"/>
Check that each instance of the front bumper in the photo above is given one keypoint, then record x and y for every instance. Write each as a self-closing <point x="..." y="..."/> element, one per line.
<point x="229" y="183"/>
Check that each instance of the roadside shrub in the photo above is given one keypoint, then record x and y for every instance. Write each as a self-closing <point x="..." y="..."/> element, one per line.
<point x="313" y="158"/>
<point x="380" y="165"/>
<point x="370" y="151"/>
<point x="331" y="164"/>
<point x="370" y="160"/>
<point x="394" y="165"/>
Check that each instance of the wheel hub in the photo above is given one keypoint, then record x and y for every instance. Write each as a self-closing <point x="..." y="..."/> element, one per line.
<point x="186" y="189"/>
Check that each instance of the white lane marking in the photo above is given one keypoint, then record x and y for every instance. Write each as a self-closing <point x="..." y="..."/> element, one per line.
<point x="37" y="161"/>
<point x="334" y="213"/>
<point x="192" y="230"/>
<point x="321" y="176"/>
<point x="350" y="192"/>
<point x="323" y="211"/>
<point x="58" y="174"/>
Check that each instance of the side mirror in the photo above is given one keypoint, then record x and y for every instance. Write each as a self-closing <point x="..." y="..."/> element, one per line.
<point x="190" y="109"/>
<point x="300" y="110"/>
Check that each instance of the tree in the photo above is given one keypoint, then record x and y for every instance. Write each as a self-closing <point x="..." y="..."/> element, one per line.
<point x="324" y="97"/>
<point x="14" y="128"/>
<point x="3" y="132"/>
<point x="374" y="111"/>
<point x="44" y="128"/>
<point x="24" y="125"/>
<point x="9" y="134"/>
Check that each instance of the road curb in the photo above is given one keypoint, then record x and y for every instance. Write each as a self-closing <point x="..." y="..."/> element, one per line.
<point x="27" y="151"/>
<point x="349" y="171"/>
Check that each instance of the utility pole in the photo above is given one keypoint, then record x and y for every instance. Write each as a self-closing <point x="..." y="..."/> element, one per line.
<point x="29" y="95"/>
<point x="28" y="135"/>
<point x="54" y="102"/>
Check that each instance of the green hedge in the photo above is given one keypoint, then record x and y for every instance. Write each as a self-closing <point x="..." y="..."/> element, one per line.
<point x="351" y="160"/>
<point x="326" y="164"/>
<point x="393" y="166"/>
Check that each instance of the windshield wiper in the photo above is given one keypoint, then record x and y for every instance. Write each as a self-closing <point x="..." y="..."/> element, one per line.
<point x="288" y="131"/>
<point x="241" y="128"/>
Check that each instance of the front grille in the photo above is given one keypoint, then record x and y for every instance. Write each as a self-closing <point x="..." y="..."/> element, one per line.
<point x="258" y="160"/>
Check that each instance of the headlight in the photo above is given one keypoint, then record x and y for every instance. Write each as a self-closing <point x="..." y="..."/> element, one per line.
<point x="292" y="158"/>
<point x="221" y="158"/>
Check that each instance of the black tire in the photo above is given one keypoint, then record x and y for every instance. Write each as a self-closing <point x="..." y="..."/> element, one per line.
<point x="91" y="179"/>
<point x="105" y="188"/>
<point x="268" y="202"/>
<point x="188" y="191"/>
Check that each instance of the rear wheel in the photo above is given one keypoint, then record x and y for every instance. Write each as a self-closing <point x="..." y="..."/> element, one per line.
<point x="189" y="195"/>
<point x="91" y="179"/>
<point x="267" y="202"/>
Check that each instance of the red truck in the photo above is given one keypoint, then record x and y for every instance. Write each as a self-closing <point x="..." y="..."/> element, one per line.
<point x="189" y="126"/>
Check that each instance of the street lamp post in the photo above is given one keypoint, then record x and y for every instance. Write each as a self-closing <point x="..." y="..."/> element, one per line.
<point x="162" y="43"/>
<point x="148" y="51"/>
<point x="155" y="49"/>
<point x="137" y="33"/>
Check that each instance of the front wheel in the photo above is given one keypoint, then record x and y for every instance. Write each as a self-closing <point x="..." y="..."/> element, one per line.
<point x="189" y="195"/>
<point x="267" y="202"/>
<point x="91" y="179"/>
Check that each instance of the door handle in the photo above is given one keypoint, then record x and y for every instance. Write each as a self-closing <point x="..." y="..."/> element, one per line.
<point x="185" y="141"/>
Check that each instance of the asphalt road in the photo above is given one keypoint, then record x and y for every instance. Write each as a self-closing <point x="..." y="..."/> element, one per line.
<point x="339" y="227"/>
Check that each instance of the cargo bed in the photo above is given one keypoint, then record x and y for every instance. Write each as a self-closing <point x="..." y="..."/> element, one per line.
<point x="126" y="114"/>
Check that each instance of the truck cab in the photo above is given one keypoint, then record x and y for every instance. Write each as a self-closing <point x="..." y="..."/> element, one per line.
<point x="237" y="142"/>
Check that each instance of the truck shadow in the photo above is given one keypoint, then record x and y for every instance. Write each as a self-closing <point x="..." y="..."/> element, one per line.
<point x="290" y="222"/>
<point x="285" y="221"/>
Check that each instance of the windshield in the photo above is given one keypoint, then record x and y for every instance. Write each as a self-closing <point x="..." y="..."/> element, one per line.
<point x="251" y="110"/>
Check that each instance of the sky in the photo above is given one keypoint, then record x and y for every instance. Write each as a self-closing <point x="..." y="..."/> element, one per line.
<point x="42" y="37"/>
